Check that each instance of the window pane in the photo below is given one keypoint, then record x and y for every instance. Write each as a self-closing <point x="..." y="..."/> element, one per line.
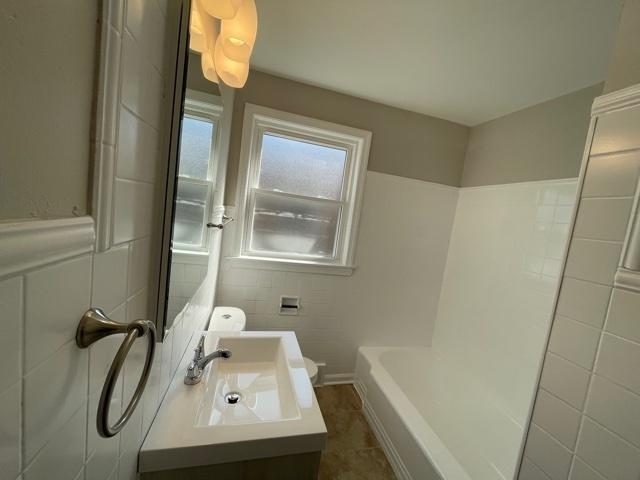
<point x="191" y="203"/>
<point x="303" y="168"/>
<point x="290" y="225"/>
<point x="195" y="148"/>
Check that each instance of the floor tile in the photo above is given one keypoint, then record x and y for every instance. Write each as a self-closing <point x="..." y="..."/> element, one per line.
<point x="369" y="464"/>
<point x="352" y="451"/>
<point x="338" y="397"/>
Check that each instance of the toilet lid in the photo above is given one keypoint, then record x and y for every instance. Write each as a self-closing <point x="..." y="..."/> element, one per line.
<point x="310" y="365"/>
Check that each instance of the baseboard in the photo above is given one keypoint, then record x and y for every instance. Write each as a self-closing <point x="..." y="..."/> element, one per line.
<point x="338" y="378"/>
<point x="385" y="441"/>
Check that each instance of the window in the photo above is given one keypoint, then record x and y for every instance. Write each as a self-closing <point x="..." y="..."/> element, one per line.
<point x="196" y="174"/>
<point x="299" y="190"/>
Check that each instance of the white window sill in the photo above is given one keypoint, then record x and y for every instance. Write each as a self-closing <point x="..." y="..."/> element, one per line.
<point x="290" y="265"/>
<point x="191" y="257"/>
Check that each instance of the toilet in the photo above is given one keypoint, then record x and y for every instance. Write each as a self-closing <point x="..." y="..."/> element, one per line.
<point x="232" y="319"/>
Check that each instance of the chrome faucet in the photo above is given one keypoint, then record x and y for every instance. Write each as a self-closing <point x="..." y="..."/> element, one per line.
<point x="200" y="361"/>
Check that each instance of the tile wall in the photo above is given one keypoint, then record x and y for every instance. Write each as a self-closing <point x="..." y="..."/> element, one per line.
<point x="586" y="420"/>
<point x="503" y="268"/>
<point x="49" y="388"/>
<point x="186" y="278"/>
<point x="391" y="298"/>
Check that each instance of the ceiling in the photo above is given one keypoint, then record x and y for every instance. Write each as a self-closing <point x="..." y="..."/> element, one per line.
<point x="468" y="61"/>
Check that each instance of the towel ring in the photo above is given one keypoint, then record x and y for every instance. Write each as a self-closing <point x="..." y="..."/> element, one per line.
<point x="94" y="326"/>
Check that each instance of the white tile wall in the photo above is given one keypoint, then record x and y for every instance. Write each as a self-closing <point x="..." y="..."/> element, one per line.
<point x="496" y="304"/>
<point x="49" y="388"/>
<point x="403" y="265"/>
<point x="186" y="278"/>
<point x="595" y="321"/>
<point x="574" y="341"/>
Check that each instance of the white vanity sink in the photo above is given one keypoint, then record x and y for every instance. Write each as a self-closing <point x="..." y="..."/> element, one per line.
<point x="275" y="414"/>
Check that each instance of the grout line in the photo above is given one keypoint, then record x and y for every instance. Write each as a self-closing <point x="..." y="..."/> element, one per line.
<point x="569" y="361"/>
<point x="21" y="363"/>
<point x="610" y="285"/>
<point x="53" y="437"/>
<point x="590" y="383"/>
<point x="615" y="153"/>
<point x="560" y="399"/>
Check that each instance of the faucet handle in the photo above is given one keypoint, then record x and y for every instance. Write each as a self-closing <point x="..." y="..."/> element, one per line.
<point x="199" y="349"/>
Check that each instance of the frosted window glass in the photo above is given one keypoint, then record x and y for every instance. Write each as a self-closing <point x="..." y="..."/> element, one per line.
<point x="302" y="168"/>
<point x="191" y="207"/>
<point x="290" y="225"/>
<point x="195" y="148"/>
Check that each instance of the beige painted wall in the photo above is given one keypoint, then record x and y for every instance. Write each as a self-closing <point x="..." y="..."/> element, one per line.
<point x="404" y="143"/>
<point x="542" y="142"/>
<point x="624" y="69"/>
<point x="47" y="71"/>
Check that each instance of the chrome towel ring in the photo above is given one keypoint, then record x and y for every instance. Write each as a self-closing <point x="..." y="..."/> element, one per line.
<point x="94" y="326"/>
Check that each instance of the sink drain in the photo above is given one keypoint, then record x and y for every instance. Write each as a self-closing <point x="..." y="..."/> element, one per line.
<point x="232" y="398"/>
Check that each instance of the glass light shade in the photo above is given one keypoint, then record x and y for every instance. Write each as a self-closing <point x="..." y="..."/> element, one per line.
<point x="208" y="67"/>
<point x="222" y="9"/>
<point x="239" y="33"/>
<point x="197" y="41"/>
<point x="210" y="28"/>
<point x="230" y="72"/>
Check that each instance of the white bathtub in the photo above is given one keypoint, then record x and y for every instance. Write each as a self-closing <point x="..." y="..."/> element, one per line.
<point x="430" y="427"/>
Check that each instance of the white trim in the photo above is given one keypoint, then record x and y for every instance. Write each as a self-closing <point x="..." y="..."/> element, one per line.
<point x="33" y="243"/>
<point x="338" y="379"/>
<point x="206" y="99"/>
<point x="387" y="445"/>
<point x="106" y="128"/>
<point x="553" y="181"/>
<point x="627" y="280"/>
<point x="284" y="265"/>
<point x="260" y="120"/>
<point x="189" y="257"/>
<point x="625" y="98"/>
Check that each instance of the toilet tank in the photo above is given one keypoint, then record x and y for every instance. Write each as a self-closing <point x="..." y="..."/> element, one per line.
<point x="227" y="319"/>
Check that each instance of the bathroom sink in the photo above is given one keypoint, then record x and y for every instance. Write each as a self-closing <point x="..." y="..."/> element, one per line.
<point x="258" y="403"/>
<point x="252" y="386"/>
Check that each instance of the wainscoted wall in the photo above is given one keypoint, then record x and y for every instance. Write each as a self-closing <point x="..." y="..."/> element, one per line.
<point x="187" y="274"/>
<point x="498" y="291"/>
<point x="586" y="421"/>
<point x="49" y="388"/>
<point x="390" y="299"/>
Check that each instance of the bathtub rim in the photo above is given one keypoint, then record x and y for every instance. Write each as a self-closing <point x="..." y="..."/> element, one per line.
<point x="433" y="449"/>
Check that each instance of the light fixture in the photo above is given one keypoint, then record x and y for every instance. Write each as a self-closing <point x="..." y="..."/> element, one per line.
<point x="208" y="67"/>
<point x="210" y="29"/>
<point x="222" y="9"/>
<point x="230" y="72"/>
<point x="239" y="33"/>
<point x="197" y="41"/>
<point x="225" y="46"/>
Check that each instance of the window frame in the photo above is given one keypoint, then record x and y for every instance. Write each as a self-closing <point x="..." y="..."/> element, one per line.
<point x="199" y="109"/>
<point x="259" y="121"/>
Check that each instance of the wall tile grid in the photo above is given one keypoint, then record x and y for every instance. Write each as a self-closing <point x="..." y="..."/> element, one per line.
<point x="185" y="280"/>
<point x="49" y="389"/>
<point x="503" y="268"/>
<point x="391" y="298"/>
<point x="586" y="420"/>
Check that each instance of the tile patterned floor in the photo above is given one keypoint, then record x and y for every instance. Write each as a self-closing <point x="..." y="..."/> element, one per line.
<point x="352" y="452"/>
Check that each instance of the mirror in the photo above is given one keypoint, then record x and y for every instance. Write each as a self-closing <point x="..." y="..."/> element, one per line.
<point x="196" y="183"/>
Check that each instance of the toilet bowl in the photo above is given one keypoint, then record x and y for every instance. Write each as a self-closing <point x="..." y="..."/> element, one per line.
<point x="232" y="319"/>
